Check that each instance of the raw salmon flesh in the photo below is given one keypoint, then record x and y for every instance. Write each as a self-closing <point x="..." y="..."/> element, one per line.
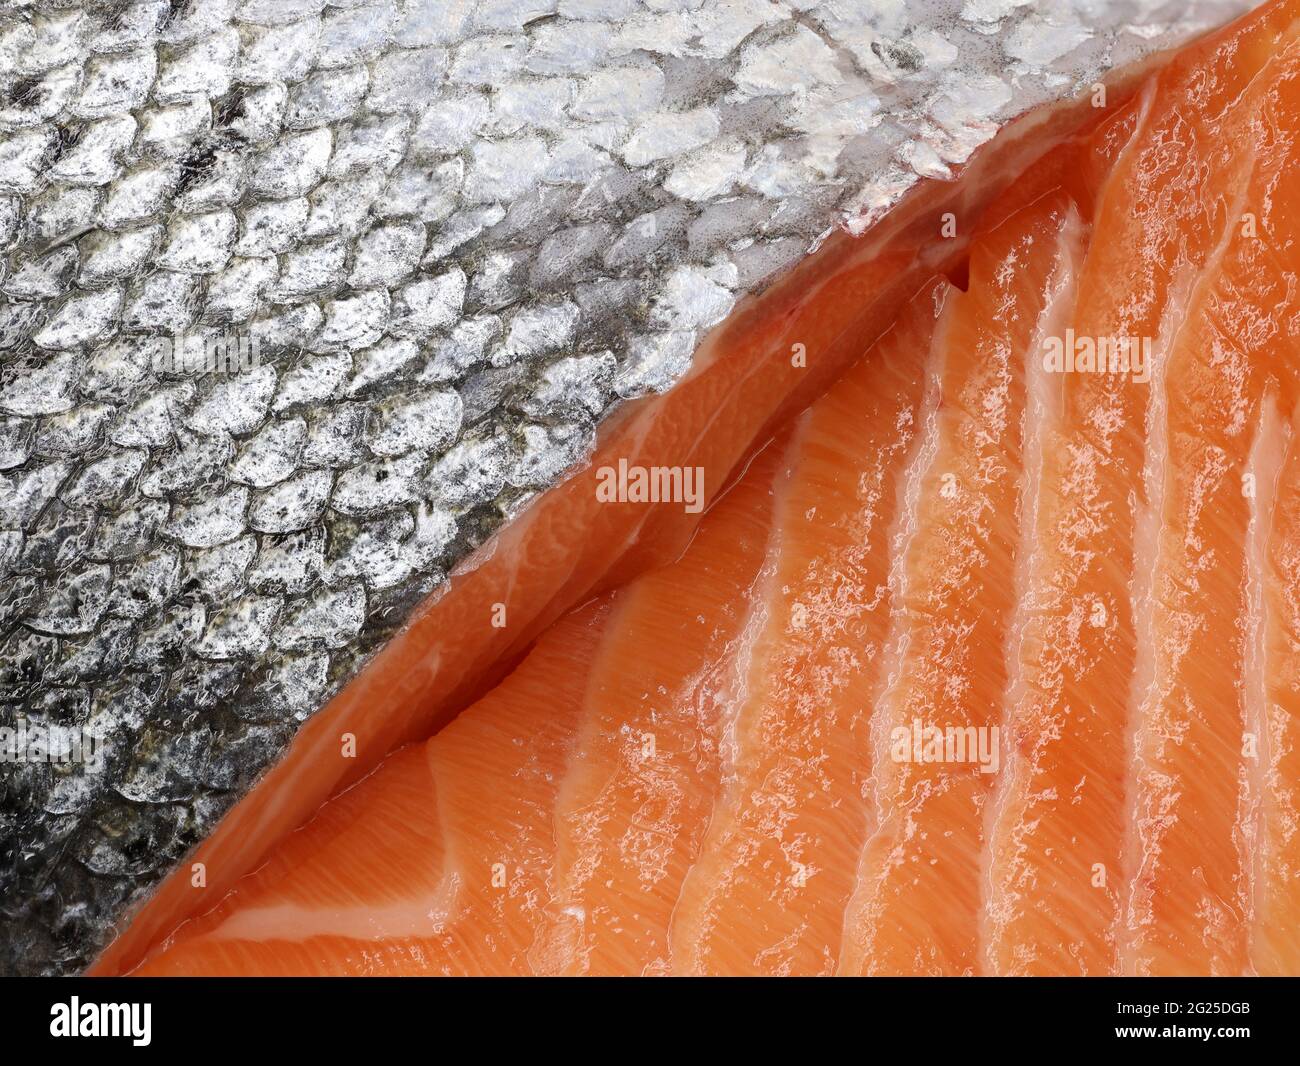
<point x="983" y="658"/>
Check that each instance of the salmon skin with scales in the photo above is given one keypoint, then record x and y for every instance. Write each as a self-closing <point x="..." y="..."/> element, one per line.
<point x="984" y="664"/>
<point x="301" y="302"/>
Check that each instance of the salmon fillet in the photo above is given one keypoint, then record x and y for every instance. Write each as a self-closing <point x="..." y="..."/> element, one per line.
<point x="987" y="662"/>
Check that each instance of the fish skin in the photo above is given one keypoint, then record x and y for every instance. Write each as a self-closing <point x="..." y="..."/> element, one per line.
<point x="192" y="564"/>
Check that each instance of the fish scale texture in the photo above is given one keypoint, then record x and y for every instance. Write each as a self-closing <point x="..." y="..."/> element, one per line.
<point x="453" y="235"/>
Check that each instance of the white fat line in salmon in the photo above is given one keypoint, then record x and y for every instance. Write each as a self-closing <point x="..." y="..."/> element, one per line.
<point x="1074" y="354"/>
<point x="957" y="744"/>
<point x="26" y="742"/>
<point x="653" y="484"/>
<point x="102" y="1019"/>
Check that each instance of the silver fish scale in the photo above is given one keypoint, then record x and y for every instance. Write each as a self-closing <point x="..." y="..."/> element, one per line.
<point x="457" y="234"/>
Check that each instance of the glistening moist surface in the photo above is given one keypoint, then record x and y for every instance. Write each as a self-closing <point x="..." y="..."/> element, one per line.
<point x="453" y="235"/>
<point x="987" y="665"/>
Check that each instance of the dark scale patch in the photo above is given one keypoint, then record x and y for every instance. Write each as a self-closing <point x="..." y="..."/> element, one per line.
<point x="112" y="13"/>
<point x="177" y="10"/>
<point x="66" y="138"/>
<point x="130" y="532"/>
<point x="127" y="840"/>
<point x="195" y="688"/>
<point x="47" y="924"/>
<point x="26" y="92"/>
<point x="343" y="534"/>
<point x="239" y="755"/>
<point x="25" y="656"/>
<point x="60" y="706"/>
<point x="60" y="537"/>
<point x="105" y="652"/>
<point x="229" y="110"/>
<point x="17" y="594"/>
<point x="195" y="165"/>
<point x="18" y="321"/>
<point x="475" y="527"/>
<point x="898" y="54"/>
